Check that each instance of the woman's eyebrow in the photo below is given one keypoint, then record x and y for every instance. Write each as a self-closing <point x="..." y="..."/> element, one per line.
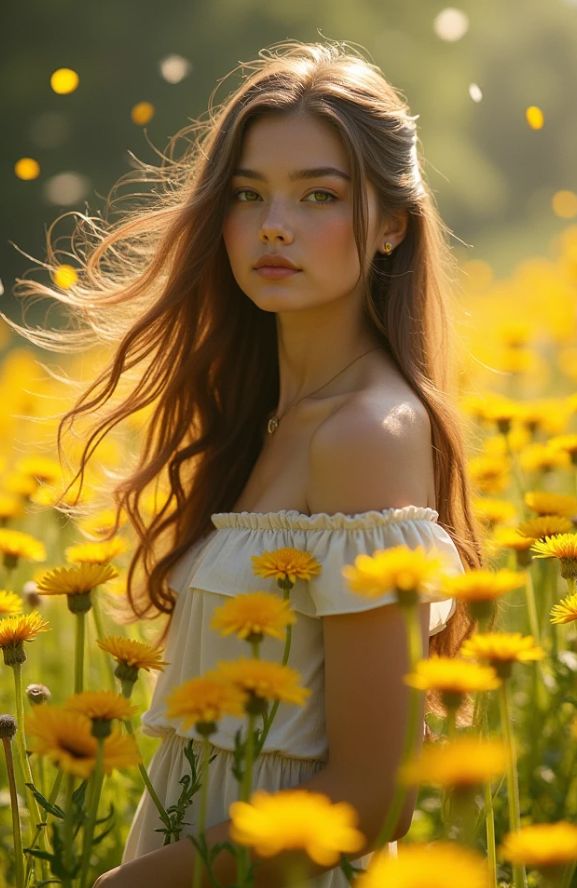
<point x="315" y="173"/>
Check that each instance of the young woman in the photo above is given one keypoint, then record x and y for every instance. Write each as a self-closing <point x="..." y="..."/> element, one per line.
<point x="286" y="308"/>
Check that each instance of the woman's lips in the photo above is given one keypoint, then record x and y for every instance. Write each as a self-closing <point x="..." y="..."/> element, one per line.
<point x="276" y="271"/>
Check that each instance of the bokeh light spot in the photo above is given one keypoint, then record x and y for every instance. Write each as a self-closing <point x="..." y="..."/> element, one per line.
<point x="142" y="112"/>
<point x="451" y="24"/>
<point x="564" y="204"/>
<point x="174" y="68"/>
<point x="27" y="168"/>
<point x="64" y="81"/>
<point x="534" y="117"/>
<point x="67" y="188"/>
<point x="475" y="92"/>
<point x="65" y="276"/>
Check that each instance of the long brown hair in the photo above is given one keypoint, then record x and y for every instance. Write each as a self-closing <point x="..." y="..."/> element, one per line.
<point x="159" y="286"/>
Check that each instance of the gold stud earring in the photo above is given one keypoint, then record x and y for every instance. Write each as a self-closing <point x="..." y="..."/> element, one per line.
<point x="388" y="248"/>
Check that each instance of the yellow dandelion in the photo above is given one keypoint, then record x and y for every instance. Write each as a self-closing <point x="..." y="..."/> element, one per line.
<point x="545" y="503"/>
<point x="480" y="587"/>
<point x="565" y="611"/>
<point x="252" y="615"/>
<point x="564" y="548"/>
<point x="105" y="705"/>
<point x="546" y="525"/>
<point x="96" y="553"/>
<point x="77" y="580"/>
<point x="203" y="701"/>
<point x="501" y="411"/>
<point x="436" y="865"/>
<point x="286" y="566"/>
<point x="409" y="573"/>
<point x="565" y="444"/>
<point x="65" y="737"/>
<point x="502" y="649"/>
<point x="21" y="485"/>
<point x="452" y="676"/>
<point x="542" y="844"/>
<point x="14" y="544"/>
<point x="10" y="507"/>
<point x="489" y="472"/>
<point x="132" y="653"/>
<point x="10" y="603"/>
<point x="294" y="819"/>
<point x="264" y="679"/>
<point x="43" y="469"/>
<point x="493" y="511"/>
<point x="17" y="629"/>
<point x="510" y="538"/>
<point x="540" y="457"/>
<point x="460" y="764"/>
<point x="101" y="523"/>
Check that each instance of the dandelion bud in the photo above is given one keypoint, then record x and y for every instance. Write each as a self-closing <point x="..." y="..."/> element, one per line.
<point x="7" y="727"/>
<point x="38" y="693"/>
<point x="30" y="594"/>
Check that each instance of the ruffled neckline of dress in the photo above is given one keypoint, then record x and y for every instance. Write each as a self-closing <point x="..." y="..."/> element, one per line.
<point x="292" y="519"/>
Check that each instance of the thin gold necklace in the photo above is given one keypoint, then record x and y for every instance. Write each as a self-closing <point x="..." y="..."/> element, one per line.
<point x="274" y="420"/>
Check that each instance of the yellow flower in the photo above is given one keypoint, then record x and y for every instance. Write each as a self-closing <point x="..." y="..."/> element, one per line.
<point x="542" y="844"/>
<point x="565" y="444"/>
<point x="482" y="585"/>
<point x="203" y="701"/>
<point x="435" y="865"/>
<point x="502" y="649"/>
<point x="132" y="653"/>
<point x="102" y="522"/>
<point x="42" y="468"/>
<point x="452" y="676"/>
<point x="105" y="705"/>
<point x="547" y="525"/>
<point x="540" y="457"/>
<point x="493" y="511"/>
<point x="264" y="679"/>
<point x="565" y="611"/>
<point x="253" y="615"/>
<point x="17" y="629"/>
<point x="10" y="507"/>
<point x="77" y="580"/>
<point x="65" y="738"/>
<point x="564" y="547"/>
<point x="408" y="572"/>
<point x="489" y="472"/>
<point x="510" y="538"/>
<point x="462" y="763"/>
<point x="296" y="819"/>
<point x="551" y="503"/>
<point x="15" y="544"/>
<point x="10" y="603"/>
<point x="286" y="565"/>
<point x="96" y="553"/>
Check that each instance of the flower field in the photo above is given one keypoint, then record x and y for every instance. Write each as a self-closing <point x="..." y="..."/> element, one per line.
<point x="497" y="802"/>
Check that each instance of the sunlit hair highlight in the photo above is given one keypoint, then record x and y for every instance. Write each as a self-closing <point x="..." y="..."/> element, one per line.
<point x="157" y="288"/>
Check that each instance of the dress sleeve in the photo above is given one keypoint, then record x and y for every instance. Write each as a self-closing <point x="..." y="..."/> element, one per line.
<point x="330" y="592"/>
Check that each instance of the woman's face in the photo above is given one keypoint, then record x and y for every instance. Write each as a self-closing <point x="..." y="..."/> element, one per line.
<point x="306" y="219"/>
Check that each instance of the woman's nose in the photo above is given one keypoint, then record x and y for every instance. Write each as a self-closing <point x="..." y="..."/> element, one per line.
<point x="274" y="226"/>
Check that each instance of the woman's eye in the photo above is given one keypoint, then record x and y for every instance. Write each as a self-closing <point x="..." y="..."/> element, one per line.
<point x="324" y="194"/>
<point x="247" y="191"/>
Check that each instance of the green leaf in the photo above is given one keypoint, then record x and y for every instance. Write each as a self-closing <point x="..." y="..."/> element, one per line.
<point x="53" y="809"/>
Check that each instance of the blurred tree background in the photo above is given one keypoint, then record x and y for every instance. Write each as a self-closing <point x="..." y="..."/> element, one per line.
<point x="505" y="181"/>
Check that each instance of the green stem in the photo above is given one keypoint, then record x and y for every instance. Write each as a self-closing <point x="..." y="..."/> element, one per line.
<point x="40" y="829"/>
<point x="68" y="832"/>
<point x="451" y="722"/>
<point x="243" y="859"/>
<point x="273" y="711"/>
<point x="415" y="653"/>
<point x="146" y="780"/>
<point x="24" y="763"/>
<point x="568" y="875"/>
<point x="19" y="859"/>
<point x="489" y="812"/>
<point x="202" y="809"/>
<point x="79" y="653"/>
<point x="97" y="617"/>
<point x="93" y="800"/>
<point x="519" y="874"/>
<point x="532" y="609"/>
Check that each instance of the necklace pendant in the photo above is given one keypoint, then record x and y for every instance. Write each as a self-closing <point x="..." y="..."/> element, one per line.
<point x="272" y="424"/>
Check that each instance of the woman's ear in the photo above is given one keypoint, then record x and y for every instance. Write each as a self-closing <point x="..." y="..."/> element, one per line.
<point x="393" y="231"/>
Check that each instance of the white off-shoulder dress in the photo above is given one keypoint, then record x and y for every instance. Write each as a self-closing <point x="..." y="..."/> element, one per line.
<point x="220" y="565"/>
